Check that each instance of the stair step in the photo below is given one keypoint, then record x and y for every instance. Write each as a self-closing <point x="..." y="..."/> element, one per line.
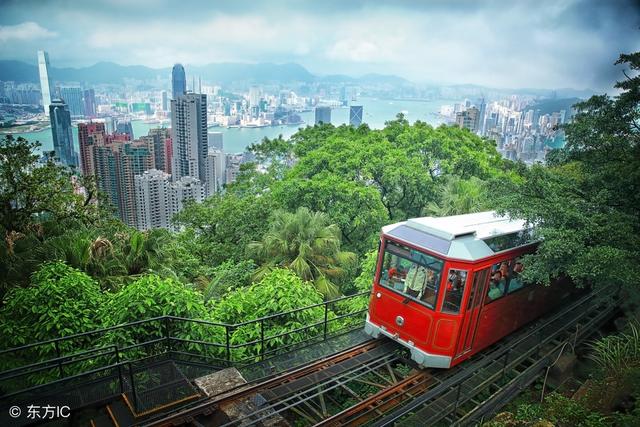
<point x="120" y="414"/>
<point x="102" y="420"/>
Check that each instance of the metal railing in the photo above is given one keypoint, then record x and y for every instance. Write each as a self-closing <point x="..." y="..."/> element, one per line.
<point x="112" y="356"/>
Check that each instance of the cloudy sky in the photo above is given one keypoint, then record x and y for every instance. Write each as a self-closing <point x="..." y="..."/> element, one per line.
<point x="501" y="43"/>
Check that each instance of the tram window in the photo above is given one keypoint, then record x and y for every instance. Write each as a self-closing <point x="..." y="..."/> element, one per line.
<point x="508" y="241"/>
<point x="454" y="290"/>
<point x="499" y="281"/>
<point x="411" y="273"/>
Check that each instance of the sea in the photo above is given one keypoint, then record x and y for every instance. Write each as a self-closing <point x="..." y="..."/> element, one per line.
<point x="235" y="140"/>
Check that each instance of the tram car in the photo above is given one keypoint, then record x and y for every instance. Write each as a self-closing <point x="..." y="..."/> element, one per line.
<point x="448" y="287"/>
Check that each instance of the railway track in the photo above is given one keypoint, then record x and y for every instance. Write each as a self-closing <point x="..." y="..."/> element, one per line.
<point x="279" y="385"/>
<point x="376" y="383"/>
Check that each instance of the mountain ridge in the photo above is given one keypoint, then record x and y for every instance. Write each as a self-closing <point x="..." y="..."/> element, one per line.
<point x="221" y="72"/>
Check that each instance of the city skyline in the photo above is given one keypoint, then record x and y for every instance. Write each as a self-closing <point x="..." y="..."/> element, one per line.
<point x="534" y="44"/>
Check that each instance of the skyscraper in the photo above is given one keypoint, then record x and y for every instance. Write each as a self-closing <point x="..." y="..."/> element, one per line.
<point x="89" y="103"/>
<point x="45" y="81"/>
<point x="178" y="81"/>
<point x="165" y="101"/>
<point x="61" y="131"/>
<point x="481" y="118"/>
<point x="73" y="97"/>
<point x="184" y="189"/>
<point x="323" y="115"/>
<point x="89" y="134"/>
<point x="468" y="119"/>
<point x="117" y="162"/>
<point x="153" y="200"/>
<point x="189" y="136"/>
<point x="161" y="148"/>
<point x="215" y="171"/>
<point x="355" y="115"/>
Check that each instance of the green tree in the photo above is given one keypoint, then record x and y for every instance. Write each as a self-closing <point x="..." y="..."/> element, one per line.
<point x="153" y="296"/>
<point x="353" y="206"/>
<point x="460" y="196"/>
<point x="30" y="192"/>
<point x="307" y="244"/>
<point x="229" y="276"/>
<point x="279" y="291"/>
<point x="585" y="204"/>
<point x="61" y="301"/>
<point x="223" y="225"/>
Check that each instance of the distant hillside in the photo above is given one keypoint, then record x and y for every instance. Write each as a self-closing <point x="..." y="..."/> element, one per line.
<point x="109" y="72"/>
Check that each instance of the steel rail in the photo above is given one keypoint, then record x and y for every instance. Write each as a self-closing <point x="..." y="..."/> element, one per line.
<point x="246" y="390"/>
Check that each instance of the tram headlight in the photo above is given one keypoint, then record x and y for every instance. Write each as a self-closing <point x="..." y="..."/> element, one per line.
<point x="399" y="320"/>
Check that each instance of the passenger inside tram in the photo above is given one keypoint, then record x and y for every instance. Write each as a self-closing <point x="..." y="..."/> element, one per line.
<point x="516" y="281"/>
<point x="496" y="285"/>
<point x="455" y="289"/>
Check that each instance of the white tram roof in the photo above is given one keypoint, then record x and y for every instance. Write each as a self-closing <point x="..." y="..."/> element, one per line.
<point x="467" y="237"/>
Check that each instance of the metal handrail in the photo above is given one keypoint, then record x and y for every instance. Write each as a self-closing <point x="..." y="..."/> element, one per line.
<point x="164" y="336"/>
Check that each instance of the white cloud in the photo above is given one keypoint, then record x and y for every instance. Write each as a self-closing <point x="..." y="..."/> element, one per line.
<point x="24" y="32"/>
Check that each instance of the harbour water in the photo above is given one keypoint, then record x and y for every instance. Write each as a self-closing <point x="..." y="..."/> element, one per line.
<point x="376" y="112"/>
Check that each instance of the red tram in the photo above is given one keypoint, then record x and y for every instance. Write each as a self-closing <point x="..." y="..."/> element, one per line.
<point x="449" y="287"/>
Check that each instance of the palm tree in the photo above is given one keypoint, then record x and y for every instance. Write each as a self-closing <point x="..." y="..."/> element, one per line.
<point x="459" y="196"/>
<point x="308" y="245"/>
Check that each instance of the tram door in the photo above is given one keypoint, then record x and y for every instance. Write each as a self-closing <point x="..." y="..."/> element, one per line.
<point x="472" y="312"/>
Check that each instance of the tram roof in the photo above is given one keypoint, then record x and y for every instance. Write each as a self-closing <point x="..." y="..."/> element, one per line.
<point x="466" y="237"/>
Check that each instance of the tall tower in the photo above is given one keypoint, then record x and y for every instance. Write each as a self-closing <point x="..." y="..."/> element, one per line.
<point x="355" y="115"/>
<point x="323" y="115"/>
<point x="189" y="136"/>
<point x="61" y="131"/>
<point x="153" y="200"/>
<point x="74" y="99"/>
<point x="45" y="81"/>
<point x="89" y="134"/>
<point x="164" y="100"/>
<point x="178" y="81"/>
<point x="90" y="103"/>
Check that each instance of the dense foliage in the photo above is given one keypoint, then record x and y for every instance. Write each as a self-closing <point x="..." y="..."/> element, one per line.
<point x="585" y="203"/>
<point x="300" y="229"/>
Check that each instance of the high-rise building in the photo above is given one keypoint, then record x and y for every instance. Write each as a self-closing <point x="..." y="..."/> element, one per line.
<point x="215" y="171"/>
<point x="61" y="131"/>
<point x="323" y="115"/>
<point x="254" y="96"/>
<point x="90" y="103"/>
<point x="185" y="189"/>
<point x="161" y="148"/>
<point x="178" y="81"/>
<point x="165" y="100"/>
<point x="45" y="81"/>
<point x="215" y="140"/>
<point x="232" y="167"/>
<point x="355" y="115"/>
<point x="481" y="118"/>
<point x="153" y="200"/>
<point x="116" y="163"/>
<point x="89" y="134"/>
<point x="468" y="119"/>
<point x="125" y="127"/>
<point x="189" y="136"/>
<point x="73" y="97"/>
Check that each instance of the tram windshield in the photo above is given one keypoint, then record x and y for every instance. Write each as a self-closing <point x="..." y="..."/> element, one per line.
<point x="411" y="273"/>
